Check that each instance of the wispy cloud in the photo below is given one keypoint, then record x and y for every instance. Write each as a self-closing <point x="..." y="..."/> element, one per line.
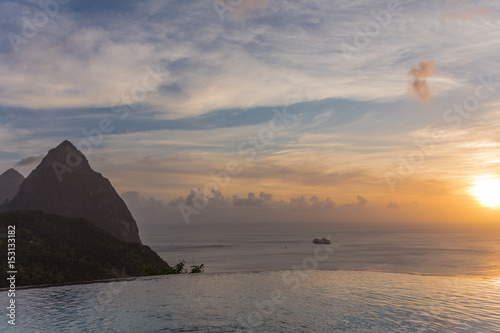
<point x="29" y="160"/>
<point x="245" y="6"/>
<point x="209" y="67"/>
<point x="465" y="10"/>
<point x="465" y="15"/>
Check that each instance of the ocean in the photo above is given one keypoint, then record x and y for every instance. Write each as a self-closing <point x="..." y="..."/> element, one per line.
<point x="272" y="278"/>
<point x="437" y="249"/>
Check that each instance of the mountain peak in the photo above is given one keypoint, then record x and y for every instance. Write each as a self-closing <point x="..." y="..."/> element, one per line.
<point x="10" y="181"/>
<point x="64" y="145"/>
<point x="12" y="173"/>
<point x="66" y="157"/>
<point x="65" y="184"/>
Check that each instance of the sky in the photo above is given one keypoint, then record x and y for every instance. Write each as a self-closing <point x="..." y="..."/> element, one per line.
<point x="263" y="110"/>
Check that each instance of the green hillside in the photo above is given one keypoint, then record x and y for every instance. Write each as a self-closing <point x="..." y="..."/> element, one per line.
<point x="52" y="249"/>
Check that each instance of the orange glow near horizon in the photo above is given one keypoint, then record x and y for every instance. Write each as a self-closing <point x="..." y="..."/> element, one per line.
<point x="487" y="192"/>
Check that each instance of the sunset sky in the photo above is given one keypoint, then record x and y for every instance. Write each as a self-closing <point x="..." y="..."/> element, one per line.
<point x="329" y="110"/>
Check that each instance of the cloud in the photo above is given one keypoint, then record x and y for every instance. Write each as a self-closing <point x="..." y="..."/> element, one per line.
<point x="481" y="11"/>
<point x="464" y="10"/>
<point x="418" y="83"/>
<point x="300" y="202"/>
<point x="137" y="199"/>
<point x="146" y="209"/>
<point x="262" y="207"/>
<point x="362" y="202"/>
<point x="246" y="6"/>
<point x="207" y="66"/>
<point x="392" y="205"/>
<point x="29" y="161"/>
<point x="263" y="200"/>
<point x="217" y="200"/>
<point x="315" y="202"/>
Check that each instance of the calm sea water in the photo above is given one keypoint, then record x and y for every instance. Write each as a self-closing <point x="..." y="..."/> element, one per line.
<point x="310" y="301"/>
<point x="402" y="248"/>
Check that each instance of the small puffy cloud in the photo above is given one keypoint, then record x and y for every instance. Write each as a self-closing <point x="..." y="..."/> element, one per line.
<point x="315" y="202"/>
<point x="29" y="161"/>
<point x="137" y="199"/>
<point x="146" y="209"/>
<point x="263" y="200"/>
<point x="218" y="200"/>
<point x="418" y="80"/>
<point x="266" y="196"/>
<point x="299" y="202"/>
<point x="362" y="202"/>
<point x="392" y="205"/>
<point x="215" y="199"/>
<point x="266" y="200"/>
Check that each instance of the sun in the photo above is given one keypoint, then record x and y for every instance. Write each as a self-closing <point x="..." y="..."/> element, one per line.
<point x="487" y="192"/>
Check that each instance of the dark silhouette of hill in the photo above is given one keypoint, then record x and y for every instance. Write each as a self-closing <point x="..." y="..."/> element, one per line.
<point x="10" y="181"/>
<point x="52" y="249"/>
<point x="64" y="184"/>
